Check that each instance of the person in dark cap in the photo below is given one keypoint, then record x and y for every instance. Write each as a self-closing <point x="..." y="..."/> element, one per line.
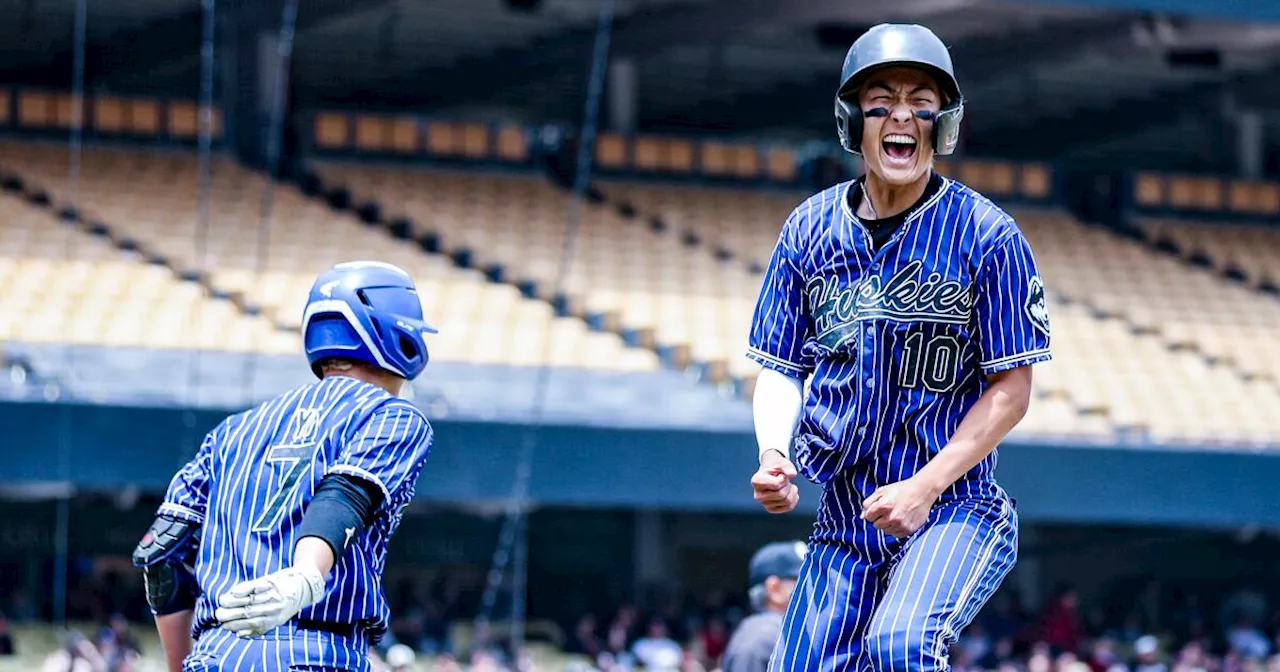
<point x="772" y="576"/>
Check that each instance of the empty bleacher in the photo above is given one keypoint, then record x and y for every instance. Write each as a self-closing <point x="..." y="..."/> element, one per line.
<point x="59" y="284"/>
<point x="646" y="279"/>
<point x="1181" y="306"/>
<point x="152" y="198"/>
<point x="743" y="222"/>
<point x="1126" y="372"/>
<point x="1131" y="328"/>
<point x="1249" y="250"/>
<point x="652" y="282"/>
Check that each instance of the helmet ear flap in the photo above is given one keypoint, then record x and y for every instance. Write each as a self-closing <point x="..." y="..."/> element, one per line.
<point x="946" y="128"/>
<point x="849" y="125"/>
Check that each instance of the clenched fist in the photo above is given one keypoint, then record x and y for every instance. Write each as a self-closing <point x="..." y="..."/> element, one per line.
<point x="899" y="509"/>
<point x="772" y="483"/>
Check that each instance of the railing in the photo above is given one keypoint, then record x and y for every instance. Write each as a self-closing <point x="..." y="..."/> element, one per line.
<point x="1205" y="196"/>
<point x="39" y="111"/>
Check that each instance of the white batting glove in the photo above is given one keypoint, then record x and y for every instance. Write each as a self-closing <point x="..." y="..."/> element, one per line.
<point x="251" y="608"/>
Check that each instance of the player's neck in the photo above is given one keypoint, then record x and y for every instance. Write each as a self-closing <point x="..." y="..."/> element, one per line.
<point x="392" y="384"/>
<point x="887" y="200"/>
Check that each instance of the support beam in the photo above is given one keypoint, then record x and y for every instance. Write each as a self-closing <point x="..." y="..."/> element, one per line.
<point x="624" y="96"/>
<point x="1250" y="143"/>
<point x="1251" y="11"/>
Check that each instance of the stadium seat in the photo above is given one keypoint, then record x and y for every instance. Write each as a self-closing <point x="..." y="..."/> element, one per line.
<point x="153" y="199"/>
<point x="654" y="282"/>
<point x="1144" y="344"/>
<point x="61" y="285"/>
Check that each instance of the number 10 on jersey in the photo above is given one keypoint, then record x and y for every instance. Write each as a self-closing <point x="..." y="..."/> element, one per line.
<point x="932" y="363"/>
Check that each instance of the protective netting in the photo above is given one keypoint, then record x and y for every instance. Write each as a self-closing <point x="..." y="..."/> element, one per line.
<point x="194" y="260"/>
<point x="513" y="541"/>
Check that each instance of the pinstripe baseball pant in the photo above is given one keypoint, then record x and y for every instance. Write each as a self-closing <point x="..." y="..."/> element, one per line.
<point x="868" y="602"/>
<point x="285" y="649"/>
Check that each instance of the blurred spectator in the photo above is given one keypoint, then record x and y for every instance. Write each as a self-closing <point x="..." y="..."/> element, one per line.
<point x="6" y="639"/>
<point x="772" y="574"/>
<point x="445" y="662"/>
<point x="1040" y="659"/>
<point x="115" y="643"/>
<point x="713" y="638"/>
<point x="1247" y="640"/>
<point x="1147" y="654"/>
<point x="1007" y="620"/>
<point x="1060" y="627"/>
<point x="483" y="661"/>
<point x="963" y="661"/>
<point x="1191" y="658"/>
<point x="621" y="632"/>
<point x="376" y="663"/>
<point x="692" y="664"/>
<point x="76" y="655"/>
<point x="1103" y="656"/>
<point x="976" y="645"/>
<point x="1189" y="619"/>
<point x="401" y="658"/>
<point x="656" y="650"/>
<point x="585" y="640"/>
<point x="1247" y="604"/>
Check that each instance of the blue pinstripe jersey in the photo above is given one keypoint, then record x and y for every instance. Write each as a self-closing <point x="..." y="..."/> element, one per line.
<point x="255" y="473"/>
<point x="896" y="343"/>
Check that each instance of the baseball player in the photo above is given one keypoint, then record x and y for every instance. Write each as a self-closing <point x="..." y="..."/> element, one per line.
<point x="772" y="576"/>
<point x="913" y="308"/>
<point x="268" y="550"/>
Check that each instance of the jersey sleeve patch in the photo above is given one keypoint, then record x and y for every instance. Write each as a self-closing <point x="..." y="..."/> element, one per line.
<point x="1037" y="309"/>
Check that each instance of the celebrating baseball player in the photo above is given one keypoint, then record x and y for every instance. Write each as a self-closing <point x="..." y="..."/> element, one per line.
<point x="913" y="307"/>
<point x="268" y="550"/>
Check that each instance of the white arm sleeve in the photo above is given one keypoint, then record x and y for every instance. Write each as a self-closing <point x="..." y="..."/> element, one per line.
<point x="776" y="408"/>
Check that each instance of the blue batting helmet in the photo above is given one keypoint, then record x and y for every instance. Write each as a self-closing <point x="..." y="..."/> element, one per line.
<point x="370" y="312"/>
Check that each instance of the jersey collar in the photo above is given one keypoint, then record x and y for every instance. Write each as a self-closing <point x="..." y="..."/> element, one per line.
<point x="914" y="215"/>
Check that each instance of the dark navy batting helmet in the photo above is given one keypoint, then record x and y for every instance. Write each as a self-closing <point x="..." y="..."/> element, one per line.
<point x="782" y="559"/>
<point x="367" y="311"/>
<point x="896" y="44"/>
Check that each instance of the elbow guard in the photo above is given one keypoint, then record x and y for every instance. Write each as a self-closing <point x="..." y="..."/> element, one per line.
<point x="166" y="555"/>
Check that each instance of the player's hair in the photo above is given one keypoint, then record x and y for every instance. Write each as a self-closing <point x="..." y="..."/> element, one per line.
<point x="756" y="595"/>
<point x="336" y="365"/>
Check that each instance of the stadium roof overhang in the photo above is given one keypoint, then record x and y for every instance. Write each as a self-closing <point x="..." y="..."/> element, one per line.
<point x="1235" y="10"/>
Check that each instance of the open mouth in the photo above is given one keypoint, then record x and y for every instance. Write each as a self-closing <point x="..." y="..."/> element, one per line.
<point x="898" y="147"/>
